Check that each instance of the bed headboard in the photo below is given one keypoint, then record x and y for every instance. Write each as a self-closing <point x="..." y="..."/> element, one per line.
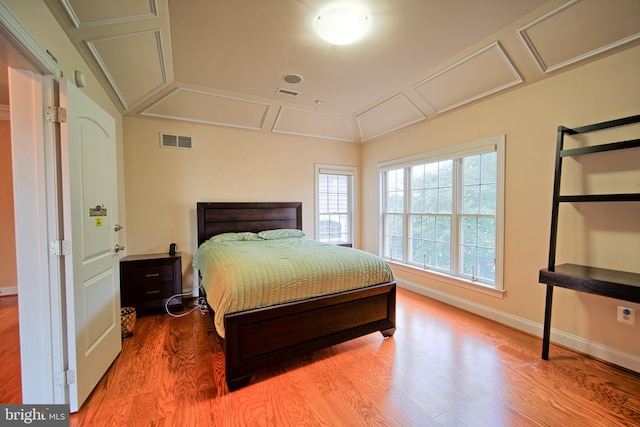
<point x="216" y="218"/>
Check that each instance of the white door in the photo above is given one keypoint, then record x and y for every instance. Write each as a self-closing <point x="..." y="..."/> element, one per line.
<point x="90" y="200"/>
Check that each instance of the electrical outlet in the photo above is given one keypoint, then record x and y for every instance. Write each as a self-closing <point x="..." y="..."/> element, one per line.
<point x="626" y="315"/>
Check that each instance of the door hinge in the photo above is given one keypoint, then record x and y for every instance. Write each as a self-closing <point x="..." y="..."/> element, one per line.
<point x="65" y="378"/>
<point x="59" y="247"/>
<point x="57" y="114"/>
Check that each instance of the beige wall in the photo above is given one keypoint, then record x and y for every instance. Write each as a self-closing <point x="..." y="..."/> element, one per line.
<point x="8" y="273"/>
<point x="163" y="185"/>
<point x="603" y="90"/>
<point x="226" y="165"/>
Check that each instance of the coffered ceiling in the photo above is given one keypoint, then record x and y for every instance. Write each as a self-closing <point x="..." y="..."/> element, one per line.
<point x="222" y="62"/>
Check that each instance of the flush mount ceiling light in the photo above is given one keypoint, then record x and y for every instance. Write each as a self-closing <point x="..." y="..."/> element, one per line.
<point x="342" y="24"/>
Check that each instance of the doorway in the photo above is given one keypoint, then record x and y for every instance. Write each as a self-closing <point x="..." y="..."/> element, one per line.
<point x="68" y="305"/>
<point x="30" y="87"/>
<point x="11" y="392"/>
<point x="8" y="274"/>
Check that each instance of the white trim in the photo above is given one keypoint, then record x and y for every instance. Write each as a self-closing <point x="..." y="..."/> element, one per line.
<point x="452" y="280"/>
<point x="495" y="45"/>
<point x="147" y="113"/>
<point x="573" y="342"/>
<point x="529" y="43"/>
<point x="312" y="135"/>
<point x="538" y="58"/>
<point x="461" y="150"/>
<point x="23" y="41"/>
<point x="388" y="131"/>
<point x="163" y="68"/>
<point x="11" y="290"/>
<point x="56" y="268"/>
<point x="501" y="148"/>
<point x="336" y="170"/>
<point x="30" y="189"/>
<point x="153" y="13"/>
<point x="496" y="143"/>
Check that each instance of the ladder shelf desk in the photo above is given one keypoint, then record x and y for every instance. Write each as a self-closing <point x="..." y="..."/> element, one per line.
<point x="609" y="283"/>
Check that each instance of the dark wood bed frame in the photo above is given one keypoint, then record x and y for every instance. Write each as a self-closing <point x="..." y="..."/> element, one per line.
<point x="258" y="338"/>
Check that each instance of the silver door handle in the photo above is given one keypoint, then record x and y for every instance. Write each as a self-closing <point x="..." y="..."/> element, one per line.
<point x="117" y="227"/>
<point x="118" y="248"/>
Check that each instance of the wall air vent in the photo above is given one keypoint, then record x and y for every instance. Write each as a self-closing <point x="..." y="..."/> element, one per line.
<point x="176" y="141"/>
<point x="287" y="92"/>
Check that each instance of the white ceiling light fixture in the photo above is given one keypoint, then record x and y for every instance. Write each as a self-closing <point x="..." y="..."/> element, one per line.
<point x="342" y="24"/>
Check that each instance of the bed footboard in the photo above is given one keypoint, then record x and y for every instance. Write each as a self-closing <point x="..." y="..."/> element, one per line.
<point x="258" y="338"/>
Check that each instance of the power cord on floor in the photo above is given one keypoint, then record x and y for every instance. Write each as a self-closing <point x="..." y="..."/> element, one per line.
<point x="201" y="304"/>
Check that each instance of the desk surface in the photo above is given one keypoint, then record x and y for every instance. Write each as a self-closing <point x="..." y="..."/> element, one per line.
<point x="621" y="285"/>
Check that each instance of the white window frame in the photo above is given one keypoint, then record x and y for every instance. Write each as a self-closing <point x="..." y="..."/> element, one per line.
<point x="496" y="144"/>
<point x="337" y="170"/>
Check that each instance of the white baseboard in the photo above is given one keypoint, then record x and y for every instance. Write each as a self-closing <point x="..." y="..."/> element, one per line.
<point x="8" y="291"/>
<point x="597" y="350"/>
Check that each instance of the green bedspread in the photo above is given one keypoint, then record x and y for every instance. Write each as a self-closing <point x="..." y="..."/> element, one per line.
<point x="242" y="275"/>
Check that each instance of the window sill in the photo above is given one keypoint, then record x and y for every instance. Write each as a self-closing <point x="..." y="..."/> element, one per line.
<point x="455" y="281"/>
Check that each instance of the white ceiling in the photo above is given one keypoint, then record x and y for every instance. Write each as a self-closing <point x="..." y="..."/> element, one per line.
<point x="222" y="62"/>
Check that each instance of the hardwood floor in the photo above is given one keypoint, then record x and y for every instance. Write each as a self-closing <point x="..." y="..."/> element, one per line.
<point x="11" y="384"/>
<point x="443" y="367"/>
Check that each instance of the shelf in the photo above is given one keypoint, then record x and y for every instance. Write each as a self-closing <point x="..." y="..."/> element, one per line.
<point x="609" y="283"/>
<point x="620" y="285"/>
<point x="628" y="197"/>
<point x="632" y="143"/>
<point x="601" y="126"/>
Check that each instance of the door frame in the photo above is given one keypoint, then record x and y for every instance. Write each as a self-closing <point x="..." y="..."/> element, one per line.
<point x="38" y="216"/>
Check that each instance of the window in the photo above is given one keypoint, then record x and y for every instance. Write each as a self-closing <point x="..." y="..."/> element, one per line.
<point x="334" y="204"/>
<point x="442" y="211"/>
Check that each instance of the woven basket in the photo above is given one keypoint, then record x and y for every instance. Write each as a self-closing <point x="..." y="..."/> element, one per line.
<point x="127" y="321"/>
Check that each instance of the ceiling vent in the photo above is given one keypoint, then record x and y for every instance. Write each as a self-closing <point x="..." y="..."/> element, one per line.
<point x="176" y="141"/>
<point x="287" y="92"/>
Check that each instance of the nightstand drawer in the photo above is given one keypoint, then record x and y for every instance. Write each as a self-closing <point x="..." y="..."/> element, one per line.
<point x="153" y="290"/>
<point x="152" y="274"/>
<point x="148" y="281"/>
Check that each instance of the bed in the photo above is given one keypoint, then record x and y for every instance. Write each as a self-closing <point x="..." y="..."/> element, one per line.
<point x="256" y="338"/>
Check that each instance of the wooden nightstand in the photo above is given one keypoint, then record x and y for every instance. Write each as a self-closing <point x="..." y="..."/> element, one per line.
<point x="147" y="281"/>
